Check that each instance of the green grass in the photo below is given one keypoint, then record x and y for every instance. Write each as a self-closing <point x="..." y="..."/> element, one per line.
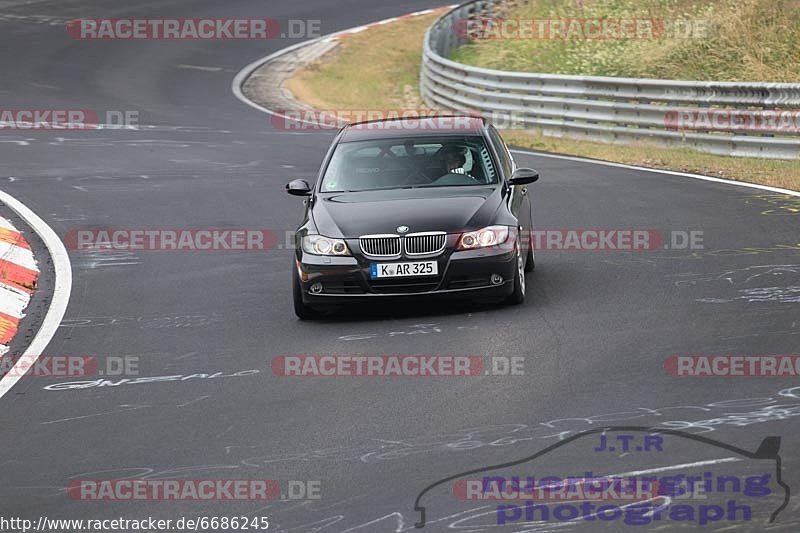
<point x="745" y="40"/>
<point x="375" y="69"/>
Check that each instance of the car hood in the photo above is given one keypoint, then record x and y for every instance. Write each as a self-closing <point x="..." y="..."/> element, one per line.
<point x="449" y="209"/>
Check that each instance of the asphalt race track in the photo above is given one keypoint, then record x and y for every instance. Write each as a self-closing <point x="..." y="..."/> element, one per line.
<point x="594" y="332"/>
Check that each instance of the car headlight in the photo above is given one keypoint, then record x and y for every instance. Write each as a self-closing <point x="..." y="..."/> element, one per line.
<point x="320" y="245"/>
<point x="489" y="236"/>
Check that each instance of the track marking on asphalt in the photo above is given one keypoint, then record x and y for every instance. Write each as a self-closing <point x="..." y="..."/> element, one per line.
<point x="657" y="171"/>
<point x="61" y="292"/>
<point x="190" y="402"/>
<point x="200" y="67"/>
<point x="125" y="408"/>
<point x="680" y="466"/>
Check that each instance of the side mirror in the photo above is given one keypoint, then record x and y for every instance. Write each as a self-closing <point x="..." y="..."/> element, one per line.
<point x="298" y="188"/>
<point x="523" y="176"/>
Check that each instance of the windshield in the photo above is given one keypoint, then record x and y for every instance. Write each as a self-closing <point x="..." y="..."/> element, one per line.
<point x="409" y="163"/>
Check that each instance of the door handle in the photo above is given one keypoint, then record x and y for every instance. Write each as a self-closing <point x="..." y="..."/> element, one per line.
<point x="524" y="191"/>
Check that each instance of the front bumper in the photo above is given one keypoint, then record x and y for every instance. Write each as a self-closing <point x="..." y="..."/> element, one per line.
<point x="461" y="274"/>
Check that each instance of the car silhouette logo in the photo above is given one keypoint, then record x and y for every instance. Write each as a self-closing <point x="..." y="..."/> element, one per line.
<point x="767" y="450"/>
<point x="402" y="229"/>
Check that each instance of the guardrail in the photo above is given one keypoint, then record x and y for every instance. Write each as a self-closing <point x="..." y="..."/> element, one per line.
<point x="728" y="118"/>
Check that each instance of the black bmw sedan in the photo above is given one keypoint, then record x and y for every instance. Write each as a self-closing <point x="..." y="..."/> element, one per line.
<point x="413" y="207"/>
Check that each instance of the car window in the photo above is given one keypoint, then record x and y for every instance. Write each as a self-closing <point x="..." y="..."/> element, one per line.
<point x="409" y="162"/>
<point x="502" y="152"/>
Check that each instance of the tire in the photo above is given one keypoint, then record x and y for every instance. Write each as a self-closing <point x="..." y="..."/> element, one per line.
<point x="303" y="311"/>
<point x="518" y="296"/>
<point x="530" y="260"/>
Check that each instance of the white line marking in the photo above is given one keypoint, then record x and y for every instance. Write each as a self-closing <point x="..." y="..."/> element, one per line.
<point x="61" y="291"/>
<point x="678" y="467"/>
<point x="657" y="171"/>
<point x="199" y="67"/>
<point x="190" y="402"/>
<point x="70" y="419"/>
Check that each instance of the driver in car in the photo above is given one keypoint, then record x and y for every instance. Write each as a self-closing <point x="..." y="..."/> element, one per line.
<point x="454" y="160"/>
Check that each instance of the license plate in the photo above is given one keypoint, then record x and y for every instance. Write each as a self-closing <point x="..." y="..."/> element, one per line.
<point x="403" y="270"/>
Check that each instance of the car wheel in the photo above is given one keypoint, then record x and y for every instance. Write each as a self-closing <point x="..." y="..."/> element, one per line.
<point x="518" y="296"/>
<point x="530" y="260"/>
<point x="303" y="311"/>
